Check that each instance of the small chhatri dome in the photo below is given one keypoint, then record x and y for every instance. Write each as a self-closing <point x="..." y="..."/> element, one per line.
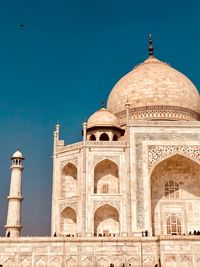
<point x="102" y="117"/>
<point x="17" y="154"/>
<point x="154" y="85"/>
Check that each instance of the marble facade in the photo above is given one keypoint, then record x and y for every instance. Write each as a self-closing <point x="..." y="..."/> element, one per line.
<point x="129" y="192"/>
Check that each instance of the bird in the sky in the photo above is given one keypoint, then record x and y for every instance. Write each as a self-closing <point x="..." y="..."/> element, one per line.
<point x="22" y="25"/>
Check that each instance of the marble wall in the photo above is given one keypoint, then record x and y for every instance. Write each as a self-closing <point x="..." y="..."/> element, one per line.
<point x="172" y="251"/>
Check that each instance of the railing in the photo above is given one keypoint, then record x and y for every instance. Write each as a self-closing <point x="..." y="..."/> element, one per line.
<point x="71" y="146"/>
<point x="79" y="145"/>
<point x="107" y="143"/>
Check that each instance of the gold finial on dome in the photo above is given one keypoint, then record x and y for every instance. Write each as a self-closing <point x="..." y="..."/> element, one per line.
<point x="150" y="45"/>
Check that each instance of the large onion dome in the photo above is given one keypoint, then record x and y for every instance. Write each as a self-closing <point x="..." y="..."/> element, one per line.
<point x="155" y="90"/>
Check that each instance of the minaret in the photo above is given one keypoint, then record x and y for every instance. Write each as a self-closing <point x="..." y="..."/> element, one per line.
<point x="13" y="225"/>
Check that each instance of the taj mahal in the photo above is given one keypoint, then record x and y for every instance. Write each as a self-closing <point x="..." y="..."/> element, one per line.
<point x="127" y="194"/>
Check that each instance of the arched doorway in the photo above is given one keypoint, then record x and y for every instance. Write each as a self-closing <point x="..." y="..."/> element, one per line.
<point x="68" y="185"/>
<point x="68" y="221"/>
<point x="175" y="194"/>
<point x="106" y="179"/>
<point x="106" y="221"/>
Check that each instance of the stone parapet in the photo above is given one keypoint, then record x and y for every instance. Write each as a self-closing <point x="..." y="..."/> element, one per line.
<point x="99" y="251"/>
<point x="79" y="145"/>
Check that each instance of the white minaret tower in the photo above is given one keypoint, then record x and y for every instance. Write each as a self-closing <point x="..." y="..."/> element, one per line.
<point x="13" y="225"/>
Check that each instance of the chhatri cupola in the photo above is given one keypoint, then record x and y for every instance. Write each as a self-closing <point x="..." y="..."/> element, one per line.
<point x="103" y="125"/>
<point x="155" y="91"/>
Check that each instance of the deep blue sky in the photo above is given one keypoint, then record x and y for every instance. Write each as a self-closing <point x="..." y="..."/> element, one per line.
<point x="61" y="65"/>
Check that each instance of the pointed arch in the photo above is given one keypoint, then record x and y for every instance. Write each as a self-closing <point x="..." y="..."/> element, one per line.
<point x="133" y="261"/>
<point x="175" y="190"/>
<point x="92" y="137"/>
<point x="106" y="177"/>
<point x="104" y="137"/>
<point x="71" y="262"/>
<point x="102" y="262"/>
<point x="171" y="261"/>
<point x="25" y="263"/>
<point x="106" y="221"/>
<point x="40" y="263"/>
<point x="68" y="221"/>
<point x="86" y="262"/>
<point x="115" y="137"/>
<point x="69" y="205"/>
<point x="118" y="262"/>
<point x="56" y="262"/>
<point x="170" y="155"/>
<point x="68" y="185"/>
<point x="9" y="263"/>
<point x="70" y="169"/>
<point x="148" y="261"/>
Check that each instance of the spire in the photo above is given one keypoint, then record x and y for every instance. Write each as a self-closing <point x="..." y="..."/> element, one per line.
<point x="102" y="104"/>
<point x="150" y="45"/>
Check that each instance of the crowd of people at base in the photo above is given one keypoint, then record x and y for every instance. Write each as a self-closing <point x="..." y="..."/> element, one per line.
<point x="69" y="235"/>
<point x="195" y="232"/>
<point x="123" y="265"/>
<point x="145" y="233"/>
<point x="103" y="235"/>
<point x="95" y="235"/>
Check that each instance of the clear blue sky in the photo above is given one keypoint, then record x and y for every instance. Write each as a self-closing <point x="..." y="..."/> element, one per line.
<point x="59" y="67"/>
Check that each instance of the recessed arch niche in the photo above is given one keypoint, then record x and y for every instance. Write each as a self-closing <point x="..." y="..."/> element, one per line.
<point x="68" y="221"/>
<point x="106" y="177"/>
<point x="104" y="137"/>
<point x="68" y="185"/>
<point x="175" y="191"/>
<point x="92" y="137"/>
<point x="106" y="221"/>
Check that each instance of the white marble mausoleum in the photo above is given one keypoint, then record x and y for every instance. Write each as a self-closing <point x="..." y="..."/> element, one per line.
<point x="129" y="191"/>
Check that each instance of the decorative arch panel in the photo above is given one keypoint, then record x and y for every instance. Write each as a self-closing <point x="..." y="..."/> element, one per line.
<point x="68" y="182"/>
<point x="175" y="191"/>
<point x="158" y="153"/>
<point x="68" y="222"/>
<point x="106" y="221"/>
<point x="106" y="177"/>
